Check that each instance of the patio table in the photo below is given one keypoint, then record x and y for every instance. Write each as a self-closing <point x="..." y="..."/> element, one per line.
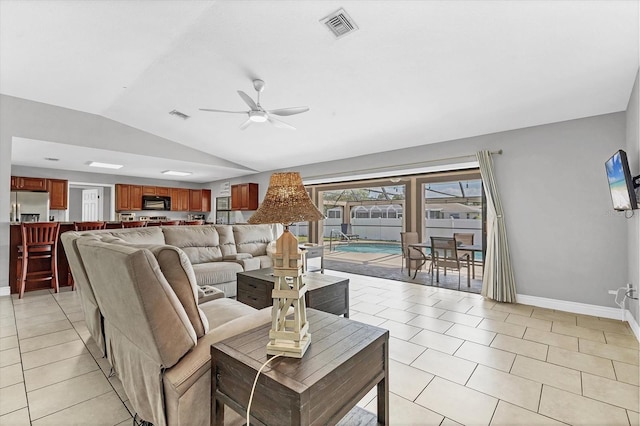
<point x="420" y="246"/>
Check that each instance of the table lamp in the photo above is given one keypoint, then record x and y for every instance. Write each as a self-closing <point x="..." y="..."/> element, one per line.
<point x="287" y="202"/>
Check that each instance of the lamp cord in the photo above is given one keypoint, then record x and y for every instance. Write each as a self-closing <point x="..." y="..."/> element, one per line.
<point x="256" y="381"/>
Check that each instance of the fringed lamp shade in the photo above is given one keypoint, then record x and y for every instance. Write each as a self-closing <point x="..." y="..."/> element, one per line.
<point x="287" y="202"/>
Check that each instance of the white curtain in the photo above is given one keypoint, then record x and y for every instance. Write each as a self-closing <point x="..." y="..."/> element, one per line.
<point x="498" y="282"/>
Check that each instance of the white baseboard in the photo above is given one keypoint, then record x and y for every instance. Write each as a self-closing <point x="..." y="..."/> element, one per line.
<point x="574" y="307"/>
<point x="5" y="291"/>
<point x="633" y="323"/>
<point x="582" y="308"/>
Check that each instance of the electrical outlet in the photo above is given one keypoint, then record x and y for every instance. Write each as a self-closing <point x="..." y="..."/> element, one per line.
<point x="614" y="292"/>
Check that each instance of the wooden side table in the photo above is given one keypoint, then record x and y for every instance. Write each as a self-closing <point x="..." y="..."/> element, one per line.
<point x="324" y="292"/>
<point x="345" y="360"/>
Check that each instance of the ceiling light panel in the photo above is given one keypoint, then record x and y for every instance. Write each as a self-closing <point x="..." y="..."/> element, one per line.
<point x="176" y="173"/>
<point x="105" y="165"/>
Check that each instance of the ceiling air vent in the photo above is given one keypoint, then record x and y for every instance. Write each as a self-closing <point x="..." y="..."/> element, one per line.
<point x="179" y="114"/>
<point x="339" y="23"/>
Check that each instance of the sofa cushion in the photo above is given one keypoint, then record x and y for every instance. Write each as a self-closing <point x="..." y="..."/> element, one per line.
<point x="213" y="273"/>
<point x="178" y="271"/>
<point x="227" y="241"/>
<point x="200" y="243"/>
<point x="252" y="239"/>
<point x="150" y="235"/>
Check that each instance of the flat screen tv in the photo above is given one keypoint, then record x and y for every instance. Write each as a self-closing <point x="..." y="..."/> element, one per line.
<point x="621" y="184"/>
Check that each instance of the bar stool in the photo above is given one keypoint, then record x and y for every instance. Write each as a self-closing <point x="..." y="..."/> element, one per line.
<point x="171" y="223"/>
<point x="84" y="226"/>
<point x="194" y="222"/>
<point x="39" y="241"/>
<point x="134" y="224"/>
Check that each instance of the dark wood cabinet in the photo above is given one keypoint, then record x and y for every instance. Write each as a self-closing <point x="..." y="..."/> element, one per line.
<point x="200" y="200"/>
<point x="244" y="196"/>
<point x="58" y="194"/>
<point x="128" y="197"/>
<point x="179" y="199"/>
<point x="195" y="200"/>
<point x="149" y="190"/>
<point x="122" y="197"/>
<point x="28" y="183"/>
<point x="135" y="197"/>
<point x="163" y="191"/>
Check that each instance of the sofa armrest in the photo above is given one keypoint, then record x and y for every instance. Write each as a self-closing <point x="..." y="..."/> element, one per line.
<point x="250" y="264"/>
<point x="207" y="293"/>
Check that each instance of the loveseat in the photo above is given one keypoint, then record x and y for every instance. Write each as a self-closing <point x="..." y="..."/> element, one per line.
<point x="156" y="334"/>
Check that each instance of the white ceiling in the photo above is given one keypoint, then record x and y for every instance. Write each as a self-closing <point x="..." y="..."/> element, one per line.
<point x="415" y="72"/>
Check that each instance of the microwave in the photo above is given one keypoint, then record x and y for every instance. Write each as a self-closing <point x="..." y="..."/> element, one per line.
<point x="153" y="202"/>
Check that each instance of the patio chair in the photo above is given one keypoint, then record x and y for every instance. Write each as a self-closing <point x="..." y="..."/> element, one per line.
<point x="466" y="239"/>
<point x="347" y="234"/>
<point x="445" y="255"/>
<point x="413" y="257"/>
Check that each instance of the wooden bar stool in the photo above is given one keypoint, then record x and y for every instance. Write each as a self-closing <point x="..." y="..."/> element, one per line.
<point x="194" y="222"/>
<point x="39" y="241"/>
<point x="134" y="224"/>
<point x="84" y="226"/>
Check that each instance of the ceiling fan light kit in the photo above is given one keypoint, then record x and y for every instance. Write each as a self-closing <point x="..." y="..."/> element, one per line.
<point x="257" y="114"/>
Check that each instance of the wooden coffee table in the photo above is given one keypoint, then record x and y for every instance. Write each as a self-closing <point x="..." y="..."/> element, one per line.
<point x="345" y="360"/>
<point x="324" y="292"/>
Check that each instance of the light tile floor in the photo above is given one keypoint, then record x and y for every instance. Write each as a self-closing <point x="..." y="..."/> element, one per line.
<point x="455" y="358"/>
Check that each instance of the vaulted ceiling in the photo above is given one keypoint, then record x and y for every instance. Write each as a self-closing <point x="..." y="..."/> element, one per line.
<point x="415" y="72"/>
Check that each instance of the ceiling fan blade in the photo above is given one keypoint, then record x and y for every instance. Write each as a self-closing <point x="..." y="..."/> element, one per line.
<point x="280" y="124"/>
<point x="245" y="124"/>
<point x="248" y="100"/>
<point x="220" y="110"/>
<point x="289" y="111"/>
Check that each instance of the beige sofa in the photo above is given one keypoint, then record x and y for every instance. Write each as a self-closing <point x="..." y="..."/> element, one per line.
<point x="216" y="253"/>
<point x="157" y="336"/>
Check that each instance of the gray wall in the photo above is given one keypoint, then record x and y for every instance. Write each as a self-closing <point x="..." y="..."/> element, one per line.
<point x="566" y="241"/>
<point x="75" y="199"/>
<point x="633" y="224"/>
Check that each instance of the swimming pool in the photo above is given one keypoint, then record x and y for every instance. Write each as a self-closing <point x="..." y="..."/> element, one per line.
<point x="381" y="248"/>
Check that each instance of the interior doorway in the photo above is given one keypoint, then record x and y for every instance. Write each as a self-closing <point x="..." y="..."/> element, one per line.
<point x="92" y="204"/>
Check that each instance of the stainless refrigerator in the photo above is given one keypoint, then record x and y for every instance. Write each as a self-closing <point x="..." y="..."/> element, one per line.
<point x="29" y="206"/>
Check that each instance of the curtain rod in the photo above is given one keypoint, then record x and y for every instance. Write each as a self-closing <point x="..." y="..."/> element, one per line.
<point x="399" y="167"/>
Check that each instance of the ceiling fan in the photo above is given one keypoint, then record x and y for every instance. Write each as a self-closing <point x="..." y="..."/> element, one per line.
<point x="257" y="114"/>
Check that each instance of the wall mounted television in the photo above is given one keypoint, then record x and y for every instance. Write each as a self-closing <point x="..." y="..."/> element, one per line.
<point x="621" y="184"/>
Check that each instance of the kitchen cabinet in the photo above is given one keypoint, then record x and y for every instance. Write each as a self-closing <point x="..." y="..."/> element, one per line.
<point x="128" y="197"/>
<point x="179" y="199"/>
<point x="200" y="200"/>
<point x="244" y="196"/>
<point x="135" y="197"/>
<point x="163" y="191"/>
<point x="28" y="183"/>
<point x="122" y="197"/>
<point x="58" y="194"/>
<point x="149" y="190"/>
<point x="160" y="191"/>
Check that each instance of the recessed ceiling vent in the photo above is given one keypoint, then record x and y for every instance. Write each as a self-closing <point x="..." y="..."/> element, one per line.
<point x="339" y="23"/>
<point x="179" y="114"/>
